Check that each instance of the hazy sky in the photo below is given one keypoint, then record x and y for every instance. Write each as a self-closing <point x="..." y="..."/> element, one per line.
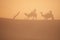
<point x="9" y="8"/>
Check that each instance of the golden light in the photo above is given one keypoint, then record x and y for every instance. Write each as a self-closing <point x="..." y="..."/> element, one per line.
<point x="9" y="8"/>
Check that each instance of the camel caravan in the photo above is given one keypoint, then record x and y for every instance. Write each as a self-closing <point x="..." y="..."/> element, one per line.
<point x="34" y="15"/>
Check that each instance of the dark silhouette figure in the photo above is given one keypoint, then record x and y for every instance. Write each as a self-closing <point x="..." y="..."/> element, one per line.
<point x="32" y="14"/>
<point x="48" y="15"/>
<point x="16" y="15"/>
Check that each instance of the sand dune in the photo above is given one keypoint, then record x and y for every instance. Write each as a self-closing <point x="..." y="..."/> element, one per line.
<point x="29" y="29"/>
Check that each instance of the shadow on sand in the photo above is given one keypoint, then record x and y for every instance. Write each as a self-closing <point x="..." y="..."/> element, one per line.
<point x="29" y="29"/>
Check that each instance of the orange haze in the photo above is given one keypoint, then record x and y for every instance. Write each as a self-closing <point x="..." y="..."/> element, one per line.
<point x="9" y="8"/>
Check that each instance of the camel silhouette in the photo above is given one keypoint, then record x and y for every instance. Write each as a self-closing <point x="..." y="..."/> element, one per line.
<point x="32" y="14"/>
<point x="47" y="16"/>
<point x="16" y="15"/>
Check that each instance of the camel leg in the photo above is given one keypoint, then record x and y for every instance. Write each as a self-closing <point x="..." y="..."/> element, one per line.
<point x="52" y="18"/>
<point x="33" y="18"/>
<point x="36" y="18"/>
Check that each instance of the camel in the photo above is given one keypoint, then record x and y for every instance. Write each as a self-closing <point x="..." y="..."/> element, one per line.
<point x="16" y="15"/>
<point x="48" y="15"/>
<point x="31" y="15"/>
